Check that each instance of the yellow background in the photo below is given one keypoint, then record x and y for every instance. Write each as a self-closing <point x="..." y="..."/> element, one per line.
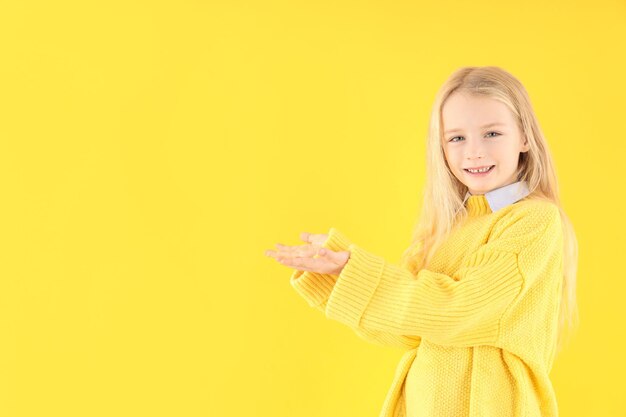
<point x="151" y="151"/>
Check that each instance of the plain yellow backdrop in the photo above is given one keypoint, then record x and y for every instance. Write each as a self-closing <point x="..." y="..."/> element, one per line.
<point x="151" y="151"/>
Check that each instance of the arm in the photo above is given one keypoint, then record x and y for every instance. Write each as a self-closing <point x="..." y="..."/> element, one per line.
<point x="315" y="288"/>
<point x="464" y="309"/>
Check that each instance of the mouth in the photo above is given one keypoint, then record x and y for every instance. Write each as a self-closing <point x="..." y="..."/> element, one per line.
<point x="479" y="173"/>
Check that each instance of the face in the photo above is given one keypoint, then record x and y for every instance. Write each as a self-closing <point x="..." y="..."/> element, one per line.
<point x="468" y="141"/>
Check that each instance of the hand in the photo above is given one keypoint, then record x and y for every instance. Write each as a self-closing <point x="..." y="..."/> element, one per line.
<point x="312" y="256"/>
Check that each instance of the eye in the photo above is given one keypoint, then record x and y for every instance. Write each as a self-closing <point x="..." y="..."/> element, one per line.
<point x="452" y="139"/>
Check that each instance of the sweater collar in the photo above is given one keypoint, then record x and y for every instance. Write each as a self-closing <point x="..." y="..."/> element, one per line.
<point x="496" y="199"/>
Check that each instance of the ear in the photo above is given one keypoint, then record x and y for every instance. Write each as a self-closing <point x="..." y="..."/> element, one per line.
<point x="525" y="145"/>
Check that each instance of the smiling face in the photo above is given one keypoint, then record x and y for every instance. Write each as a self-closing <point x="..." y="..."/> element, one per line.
<point x="469" y="141"/>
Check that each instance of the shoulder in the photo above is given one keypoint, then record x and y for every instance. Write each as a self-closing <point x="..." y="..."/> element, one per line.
<point x="525" y="222"/>
<point x="533" y="212"/>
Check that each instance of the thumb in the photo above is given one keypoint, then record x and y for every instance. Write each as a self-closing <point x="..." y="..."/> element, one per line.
<point x="336" y="257"/>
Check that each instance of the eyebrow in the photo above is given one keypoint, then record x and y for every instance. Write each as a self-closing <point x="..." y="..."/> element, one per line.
<point x="485" y="126"/>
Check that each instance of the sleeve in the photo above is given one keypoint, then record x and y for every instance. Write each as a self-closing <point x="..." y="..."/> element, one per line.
<point x="463" y="309"/>
<point x="315" y="288"/>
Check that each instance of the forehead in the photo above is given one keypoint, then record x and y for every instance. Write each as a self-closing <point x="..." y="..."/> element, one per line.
<point x="468" y="111"/>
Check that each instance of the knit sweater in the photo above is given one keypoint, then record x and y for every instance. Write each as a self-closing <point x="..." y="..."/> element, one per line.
<point x="478" y="326"/>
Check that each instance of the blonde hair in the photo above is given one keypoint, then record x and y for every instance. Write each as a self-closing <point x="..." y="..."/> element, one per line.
<point x="443" y="207"/>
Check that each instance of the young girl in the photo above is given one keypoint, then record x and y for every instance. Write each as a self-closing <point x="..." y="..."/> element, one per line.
<point x="487" y="285"/>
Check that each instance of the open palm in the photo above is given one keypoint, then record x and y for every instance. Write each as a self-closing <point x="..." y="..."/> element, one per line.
<point x="311" y="256"/>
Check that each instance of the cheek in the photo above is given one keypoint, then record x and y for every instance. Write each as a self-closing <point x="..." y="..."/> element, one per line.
<point x="453" y="157"/>
<point x="500" y="153"/>
<point x="506" y="155"/>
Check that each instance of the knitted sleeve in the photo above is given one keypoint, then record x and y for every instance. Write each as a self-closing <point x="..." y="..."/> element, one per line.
<point x="463" y="309"/>
<point x="315" y="288"/>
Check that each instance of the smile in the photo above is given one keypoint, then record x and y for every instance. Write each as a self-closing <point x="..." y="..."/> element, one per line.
<point x="479" y="172"/>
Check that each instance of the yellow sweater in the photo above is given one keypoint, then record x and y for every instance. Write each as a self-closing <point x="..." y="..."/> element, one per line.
<point x="478" y="327"/>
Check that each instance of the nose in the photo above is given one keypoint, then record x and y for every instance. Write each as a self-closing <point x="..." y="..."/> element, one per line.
<point x="474" y="149"/>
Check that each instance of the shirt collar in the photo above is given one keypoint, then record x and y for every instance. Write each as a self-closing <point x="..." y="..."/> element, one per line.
<point x="503" y="196"/>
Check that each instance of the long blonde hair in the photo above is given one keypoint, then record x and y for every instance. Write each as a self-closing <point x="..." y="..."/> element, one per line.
<point x="443" y="208"/>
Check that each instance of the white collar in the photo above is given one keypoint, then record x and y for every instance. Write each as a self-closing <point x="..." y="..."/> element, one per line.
<point x="503" y="196"/>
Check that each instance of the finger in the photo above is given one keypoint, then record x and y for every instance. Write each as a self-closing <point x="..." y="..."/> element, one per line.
<point x="290" y="249"/>
<point x="314" y="238"/>
<point x="303" y="264"/>
<point x="274" y="254"/>
<point x="285" y="250"/>
<point x="305" y="237"/>
<point x="306" y="251"/>
<point x="321" y="252"/>
<point x="338" y="258"/>
<point x="278" y="254"/>
<point x="302" y="251"/>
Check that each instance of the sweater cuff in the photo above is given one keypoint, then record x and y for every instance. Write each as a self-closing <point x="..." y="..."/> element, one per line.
<point x="355" y="286"/>
<point x="314" y="287"/>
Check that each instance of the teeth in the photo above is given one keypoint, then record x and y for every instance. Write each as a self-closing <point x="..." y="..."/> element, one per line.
<point x="479" y="170"/>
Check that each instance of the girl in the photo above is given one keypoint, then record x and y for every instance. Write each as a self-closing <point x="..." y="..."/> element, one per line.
<point x="487" y="285"/>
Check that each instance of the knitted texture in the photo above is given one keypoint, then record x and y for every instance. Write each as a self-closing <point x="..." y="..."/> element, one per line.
<point x="478" y="326"/>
